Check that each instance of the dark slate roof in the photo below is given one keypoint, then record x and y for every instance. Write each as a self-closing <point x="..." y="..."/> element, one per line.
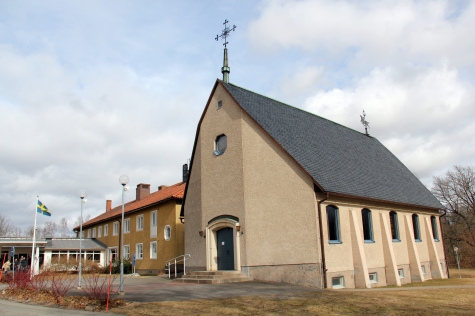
<point x="339" y="159"/>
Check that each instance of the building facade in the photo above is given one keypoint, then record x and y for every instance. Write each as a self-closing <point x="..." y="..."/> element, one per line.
<point x="54" y="250"/>
<point x="153" y="231"/>
<point x="286" y="196"/>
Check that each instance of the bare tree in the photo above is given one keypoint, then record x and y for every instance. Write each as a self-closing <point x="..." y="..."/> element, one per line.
<point x="63" y="229"/>
<point x="6" y="226"/>
<point x="456" y="191"/>
<point x="28" y="232"/>
<point x="77" y="222"/>
<point x="49" y="229"/>
<point x="16" y="232"/>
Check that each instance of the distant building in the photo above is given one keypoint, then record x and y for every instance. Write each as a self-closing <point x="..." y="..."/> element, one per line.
<point x="52" y="250"/>
<point x="287" y="196"/>
<point x="152" y="228"/>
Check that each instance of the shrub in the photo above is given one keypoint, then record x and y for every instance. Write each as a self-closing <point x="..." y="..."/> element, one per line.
<point x="116" y="267"/>
<point x="96" y="287"/>
<point x="21" y="280"/>
<point x="61" y="283"/>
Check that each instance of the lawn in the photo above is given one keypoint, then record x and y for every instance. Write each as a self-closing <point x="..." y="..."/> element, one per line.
<point x="408" y="301"/>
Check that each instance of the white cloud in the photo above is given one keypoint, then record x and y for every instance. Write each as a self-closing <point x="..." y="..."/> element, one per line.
<point x="370" y="31"/>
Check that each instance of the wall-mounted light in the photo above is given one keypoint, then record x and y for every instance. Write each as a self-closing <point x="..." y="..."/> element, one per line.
<point x="201" y="233"/>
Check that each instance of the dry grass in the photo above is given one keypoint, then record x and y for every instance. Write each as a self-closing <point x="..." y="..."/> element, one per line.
<point x="455" y="301"/>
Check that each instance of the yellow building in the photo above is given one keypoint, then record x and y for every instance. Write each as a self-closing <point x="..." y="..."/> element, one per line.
<point x="153" y="231"/>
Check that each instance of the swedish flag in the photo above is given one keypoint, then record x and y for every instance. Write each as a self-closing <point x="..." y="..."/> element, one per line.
<point x="41" y="208"/>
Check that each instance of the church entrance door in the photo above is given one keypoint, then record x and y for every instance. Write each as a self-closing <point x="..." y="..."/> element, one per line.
<point x="225" y="249"/>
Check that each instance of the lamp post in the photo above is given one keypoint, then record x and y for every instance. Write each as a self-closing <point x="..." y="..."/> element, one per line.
<point x="82" y="195"/>
<point x="123" y="179"/>
<point x="456" y="249"/>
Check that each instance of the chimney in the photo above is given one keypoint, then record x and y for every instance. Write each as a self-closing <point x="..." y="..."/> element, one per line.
<point x="161" y="187"/>
<point x="108" y="205"/>
<point x="185" y="172"/>
<point x="142" y="191"/>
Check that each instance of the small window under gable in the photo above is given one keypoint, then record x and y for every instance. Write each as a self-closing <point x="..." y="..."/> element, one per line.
<point x="220" y="145"/>
<point x="220" y="104"/>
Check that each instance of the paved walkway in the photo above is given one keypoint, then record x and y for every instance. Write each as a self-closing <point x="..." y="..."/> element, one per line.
<point x="21" y="309"/>
<point x="156" y="289"/>
<point x="160" y="288"/>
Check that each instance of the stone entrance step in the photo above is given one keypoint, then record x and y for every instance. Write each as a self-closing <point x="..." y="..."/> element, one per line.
<point x="213" y="277"/>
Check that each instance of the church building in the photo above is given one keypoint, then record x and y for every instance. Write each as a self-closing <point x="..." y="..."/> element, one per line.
<point x="283" y="195"/>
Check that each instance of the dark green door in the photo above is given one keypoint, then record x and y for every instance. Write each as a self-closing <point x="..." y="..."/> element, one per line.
<point x="225" y="249"/>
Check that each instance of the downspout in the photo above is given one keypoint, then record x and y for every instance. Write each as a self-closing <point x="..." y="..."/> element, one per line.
<point x="443" y="243"/>
<point x="324" y="267"/>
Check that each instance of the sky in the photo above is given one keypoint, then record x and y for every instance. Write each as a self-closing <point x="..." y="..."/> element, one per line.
<point x="91" y="90"/>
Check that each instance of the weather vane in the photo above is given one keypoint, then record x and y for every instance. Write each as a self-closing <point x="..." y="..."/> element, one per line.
<point x="364" y="122"/>
<point x="225" y="32"/>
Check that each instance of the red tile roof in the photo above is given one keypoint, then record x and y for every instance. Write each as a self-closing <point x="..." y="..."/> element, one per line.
<point x="166" y="193"/>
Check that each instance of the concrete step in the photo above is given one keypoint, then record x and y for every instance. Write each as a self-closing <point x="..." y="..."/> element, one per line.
<point x="214" y="273"/>
<point x="213" y="277"/>
<point x="213" y="281"/>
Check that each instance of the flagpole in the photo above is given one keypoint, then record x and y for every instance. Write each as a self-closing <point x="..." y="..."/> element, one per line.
<point x="34" y="239"/>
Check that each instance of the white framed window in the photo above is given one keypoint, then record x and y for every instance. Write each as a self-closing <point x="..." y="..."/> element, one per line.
<point x="401" y="273"/>
<point x="423" y="268"/>
<point x="88" y="233"/>
<point x="338" y="282"/>
<point x="373" y="277"/>
<point x="106" y="230"/>
<point x="115" y="229"/>
<point x="153" y="224"/>
<point x="139" y="251"/>
<point x="139" y="221"/>
<point x="99" y="231"/>
<point x="94" y="232"/>
<point x="126" y="251"/>
<point x="126" y="225"/>
<point x="167" y="232"/>
<point x="153" y="250"/>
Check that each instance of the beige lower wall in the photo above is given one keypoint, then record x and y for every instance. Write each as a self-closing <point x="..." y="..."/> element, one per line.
<point x="407" y="273"/>
<point x="298" y="274"/>
<point x="371" y="254"/>
<point x="348" y="277"/>
<point x="381" y="276"/>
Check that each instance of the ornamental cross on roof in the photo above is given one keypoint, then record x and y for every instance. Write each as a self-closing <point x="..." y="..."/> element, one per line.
<point x="225" y="32"/>
<point x="364" y="122"/>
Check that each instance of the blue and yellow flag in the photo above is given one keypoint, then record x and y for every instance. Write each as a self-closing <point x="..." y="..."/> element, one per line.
<point x="41" y="208"/>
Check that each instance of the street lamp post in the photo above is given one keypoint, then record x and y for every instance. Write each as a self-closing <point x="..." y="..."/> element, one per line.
<point x="82" y="195"/>
<point x="123" y="179"/>
<point x="456" y="249"/>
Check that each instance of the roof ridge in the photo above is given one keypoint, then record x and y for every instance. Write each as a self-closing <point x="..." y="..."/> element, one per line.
<point x="296" y="108"/>
<point x="173" y="192"/>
